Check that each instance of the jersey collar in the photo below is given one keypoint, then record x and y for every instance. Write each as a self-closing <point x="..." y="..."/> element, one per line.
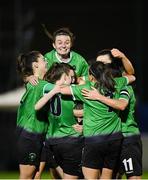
<point x="67" y="60"/>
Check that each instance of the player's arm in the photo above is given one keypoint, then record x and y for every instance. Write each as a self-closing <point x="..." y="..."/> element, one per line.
<point x="66" y="90"/>
<point x="47" y="97"/>
<point x="93" y="94"/>
<point x="128" y="67"/>
<point x="130" y="78"/>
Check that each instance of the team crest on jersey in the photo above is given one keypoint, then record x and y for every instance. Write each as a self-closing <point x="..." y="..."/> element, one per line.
<point x="32" y="157"/>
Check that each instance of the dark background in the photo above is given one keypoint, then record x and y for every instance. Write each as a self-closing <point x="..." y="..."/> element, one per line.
<point x="97" y="25"/>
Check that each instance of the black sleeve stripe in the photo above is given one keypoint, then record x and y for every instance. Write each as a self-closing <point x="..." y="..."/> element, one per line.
<point x="124" y="92"/>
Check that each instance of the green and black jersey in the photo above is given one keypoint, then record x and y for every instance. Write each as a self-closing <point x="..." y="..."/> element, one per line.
<point x="99" y="120"/>
<point x="76" y="60"/>
<point x="28" y="119"/>
<point x="61" y="118"/>
<point x="129" y="124"/>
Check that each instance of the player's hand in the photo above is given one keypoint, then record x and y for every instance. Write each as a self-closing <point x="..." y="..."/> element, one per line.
<point x="116" y="53"/>
<point x="33" y="80"/>
<point x="78" y="128"/>
<point x="90" y="94"/>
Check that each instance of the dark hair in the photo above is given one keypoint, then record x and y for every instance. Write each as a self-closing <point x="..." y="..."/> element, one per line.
<point x="61" y="31"/>
<point x="115" y="65"/>
<point x="78" y="105"/>
<point x="103" y="76"/>
<point x="55" y="72"/>
<point x="24" y="63"/>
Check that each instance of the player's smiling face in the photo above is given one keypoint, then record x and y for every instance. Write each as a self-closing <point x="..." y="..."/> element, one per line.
<point x="62" y="44"/>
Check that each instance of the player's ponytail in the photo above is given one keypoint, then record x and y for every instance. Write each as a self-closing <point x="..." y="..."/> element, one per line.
<point x="103" y="76"/>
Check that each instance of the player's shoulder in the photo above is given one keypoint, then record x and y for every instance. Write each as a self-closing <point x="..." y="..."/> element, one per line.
<point x="41" y="84"/>
<point x="121" y="80"/>
<point x="77" y="55"/>
<point x="50" y="53"/>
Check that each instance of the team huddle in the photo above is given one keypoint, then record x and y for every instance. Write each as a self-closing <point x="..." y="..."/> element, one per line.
<point x="77" y="118"/>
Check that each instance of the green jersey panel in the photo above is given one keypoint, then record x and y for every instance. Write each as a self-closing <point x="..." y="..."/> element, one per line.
<point x="76" y="60"/>
<point x="120" y="82"/>
<point x="99" y="119"/>
<point x="27" y="118"/>
<point x="129" y="124"/>
<point x="61" y="117"/>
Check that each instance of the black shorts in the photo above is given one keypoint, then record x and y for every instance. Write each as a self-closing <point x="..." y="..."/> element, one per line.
<point x="131" y="157"/>
<point x="29" y="150"/>
<point x="48" y="156"/>
<point x="43" y="157"/>
<point x="101" y="155"/>
<point x="68" y="156"/>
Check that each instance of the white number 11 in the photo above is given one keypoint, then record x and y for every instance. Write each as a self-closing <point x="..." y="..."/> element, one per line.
<point x="128" y="164"/>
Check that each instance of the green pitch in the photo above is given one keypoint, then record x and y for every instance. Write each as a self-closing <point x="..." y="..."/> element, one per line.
<point x="46" y="175"/>
<point x="15" y="175"/>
